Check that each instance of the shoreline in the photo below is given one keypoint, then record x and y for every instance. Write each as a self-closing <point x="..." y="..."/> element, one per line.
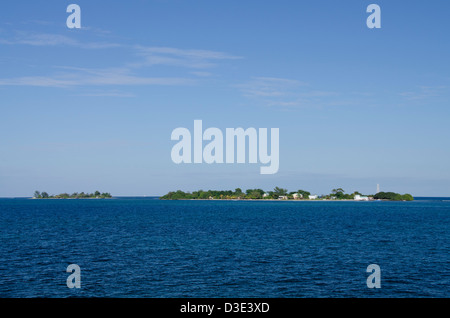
<point x="68" y="198"/>
<point x="276" y="200"/>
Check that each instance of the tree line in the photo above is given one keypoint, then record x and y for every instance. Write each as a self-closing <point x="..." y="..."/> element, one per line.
<point x="393" y="196"/>
<point x="75" y="195"/>
<point x="277" y="193"/>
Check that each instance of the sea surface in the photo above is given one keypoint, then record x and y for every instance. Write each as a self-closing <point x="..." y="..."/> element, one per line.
<point x="144" y="247"/>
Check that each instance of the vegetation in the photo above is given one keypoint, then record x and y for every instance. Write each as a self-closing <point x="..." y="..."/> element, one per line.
<point x="277" y="194"/>
<point x="76" y="195"/>
<point x="212" y="194"/>
<point x="339" y="194"/>
<point x="393" y="196"/>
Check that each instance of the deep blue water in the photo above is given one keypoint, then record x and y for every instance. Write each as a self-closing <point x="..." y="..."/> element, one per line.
<point x="142" y="247"/>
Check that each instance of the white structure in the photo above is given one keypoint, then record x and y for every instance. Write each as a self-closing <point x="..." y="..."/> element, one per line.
<point x="358" y="197"/>
<point x="378" y="188"/>
<point x="313" y="197"/>
<point x="282" y="197"/>
<point x="297" y="196"/>
<point x="265" y="195"/>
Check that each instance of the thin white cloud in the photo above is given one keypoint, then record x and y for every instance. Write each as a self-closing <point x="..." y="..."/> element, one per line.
<point x="39" y="22"/>
<point x="202" y="74"/>
<point x="48" y="39"/>
<point x="287" y="93"/>
<point x="96" y="31"/>
<point x="425" y="92"/>
<point x="196" y="54"/>
<point x="198" y="59"/>
<point x="129" y="74"/>
<point x="93" y="77"/>
<point x="76" y="76"/>
<point x="41" y="81"/>
<point x="270" y="87"/>
<point x="107" y="94"/>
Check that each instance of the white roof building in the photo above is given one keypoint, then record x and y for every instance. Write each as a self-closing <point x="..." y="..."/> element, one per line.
<point x="358" y="197"/>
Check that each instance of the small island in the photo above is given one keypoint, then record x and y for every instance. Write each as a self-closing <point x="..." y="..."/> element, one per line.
<point x="75" y="195"/>
<point x="283" y="194"/>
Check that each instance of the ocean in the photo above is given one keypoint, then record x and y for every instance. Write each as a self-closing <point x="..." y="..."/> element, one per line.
<point x="144" y="247"/>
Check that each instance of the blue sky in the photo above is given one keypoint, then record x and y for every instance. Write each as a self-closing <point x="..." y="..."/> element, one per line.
<point x="94" y="108"/>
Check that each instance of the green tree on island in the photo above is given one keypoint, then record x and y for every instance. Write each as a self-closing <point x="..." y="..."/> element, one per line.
<point x="280" y="191"/>
<point x="254" y="193"/>
<point x="303" y="194"/>
<point x="393" y="196"/>
<point x="259" y="194"/>
<point x="338" y="193"/>
<point x="75" y="195"/>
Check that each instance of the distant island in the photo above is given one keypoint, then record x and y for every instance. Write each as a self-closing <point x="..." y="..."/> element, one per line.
<point x="282" y="194"/>
<point x="76" y="195"/>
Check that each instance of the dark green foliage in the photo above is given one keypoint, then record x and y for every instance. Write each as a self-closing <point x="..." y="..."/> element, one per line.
<point x="280" y="191"/>
<point x="339" y="193"/>
<point x="408" y="197"/>
<point x="258" y="194"/>
<point x="237" y="194"/>
<point x="304" y="193"/>
<point x="393" y="196"/>
<point x="75" y="195"/>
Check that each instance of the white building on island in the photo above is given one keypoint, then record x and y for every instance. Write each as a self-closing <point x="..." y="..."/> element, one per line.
<point x="358" y="197"/>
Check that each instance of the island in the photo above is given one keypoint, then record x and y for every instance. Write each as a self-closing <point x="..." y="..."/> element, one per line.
<point x="283" y="194"/>
<point x="75" y="195"/>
